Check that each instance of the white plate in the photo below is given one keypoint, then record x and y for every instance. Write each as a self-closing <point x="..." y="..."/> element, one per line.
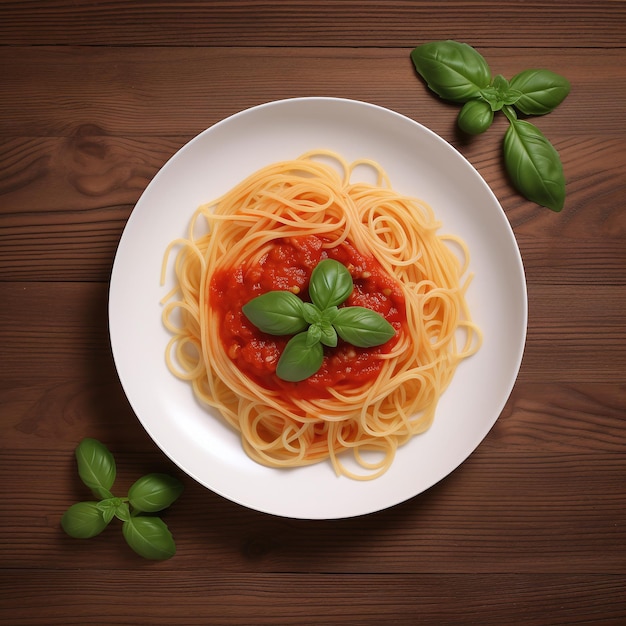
<point x="419" y="163"/>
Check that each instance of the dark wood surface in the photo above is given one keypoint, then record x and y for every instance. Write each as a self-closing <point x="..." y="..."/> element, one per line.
<point x="95" y="97"/>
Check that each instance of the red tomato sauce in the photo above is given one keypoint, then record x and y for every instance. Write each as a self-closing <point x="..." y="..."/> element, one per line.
<point x="288" y="266"/>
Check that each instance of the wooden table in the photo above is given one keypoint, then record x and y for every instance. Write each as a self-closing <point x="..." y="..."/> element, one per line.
<point x="95" y="97"/>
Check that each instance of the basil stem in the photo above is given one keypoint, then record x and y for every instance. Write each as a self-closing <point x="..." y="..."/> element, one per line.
<point x="276" y="313"/>
<point x="533" y="164"/>
<point x="330" y="284"/>
<point x="454" y="71"/>
<point x="362" y="327"/>
<point x="96" y="467"/>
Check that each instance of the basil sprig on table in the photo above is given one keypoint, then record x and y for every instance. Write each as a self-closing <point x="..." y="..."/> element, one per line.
<point x="317" y="323"/>
<point x="147" y="535"/>
<point x="457" y="72"/>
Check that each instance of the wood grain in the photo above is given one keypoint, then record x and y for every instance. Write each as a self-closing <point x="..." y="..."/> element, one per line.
<point x="295" y="599"/>
<point x="81" y="179"/>
<point x="505" y="512"/>
<point x="96" y="96"/>
<point x="570" y="339"/>
<point x="181" y="91"/>
<point x="79" y="199"/>
<point x="366" y="23"/>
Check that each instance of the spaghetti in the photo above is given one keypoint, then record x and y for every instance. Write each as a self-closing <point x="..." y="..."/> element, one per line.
<point x="269" y="232"/>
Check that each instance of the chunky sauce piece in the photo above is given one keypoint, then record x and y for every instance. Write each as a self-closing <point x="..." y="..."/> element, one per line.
<point x="288" y="265"/>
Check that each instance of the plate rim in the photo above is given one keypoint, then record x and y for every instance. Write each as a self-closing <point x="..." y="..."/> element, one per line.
<point x="232" y="119"/>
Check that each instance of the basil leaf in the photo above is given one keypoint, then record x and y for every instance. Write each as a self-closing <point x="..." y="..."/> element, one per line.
<point x="84" y="520"/>
<point x="313" y="335"/>
<point x="328" y="315"/>
<point x="96" y="467"/>
<point x="329" y="335"/>
<point x="154" y="492"/>
<point x="362" y="327"/>
<point x="299" y="360"/>
<point x="500" y="93"/>
<point x="330" y="284"/>
<point x="312" y="314"/>
<point x="108" y="507"/>
<point x="122" y="512"/>
<point x="541" y="91"/>
<point x="276" y="313"/>
<point x="149" y="537"/>
<point x="534" y="165"/>
<point x="453" y="70"/>
<point x="475" y="117"/>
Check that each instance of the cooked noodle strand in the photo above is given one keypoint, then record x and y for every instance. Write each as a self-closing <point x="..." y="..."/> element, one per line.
<point x="315" y="195"/>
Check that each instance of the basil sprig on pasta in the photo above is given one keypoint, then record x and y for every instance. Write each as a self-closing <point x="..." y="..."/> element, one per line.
<point x="318" y="323"/>
<point x="459" y="73"/>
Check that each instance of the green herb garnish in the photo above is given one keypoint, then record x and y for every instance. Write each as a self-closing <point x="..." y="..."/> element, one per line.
<point x="457" y="72"/>
<point x="148" y="536"/>
<point x="317" y="323"/>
